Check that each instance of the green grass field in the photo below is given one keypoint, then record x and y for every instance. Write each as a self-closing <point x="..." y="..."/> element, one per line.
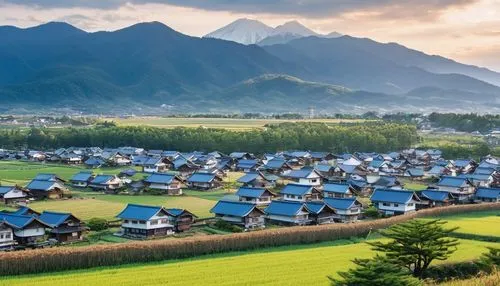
<point x="480" y="223"/>
<point x="296" y="265"/>
<point x="224" y="123"/>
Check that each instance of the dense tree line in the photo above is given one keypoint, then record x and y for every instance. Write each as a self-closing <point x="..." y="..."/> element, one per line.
<point x="465" y="122"/>
<point x="377" y="137"/>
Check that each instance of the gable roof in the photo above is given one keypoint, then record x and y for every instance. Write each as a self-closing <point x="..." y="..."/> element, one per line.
<point x="415" y="172"/>
<point x="139" y="212"/>
<point x="47" y="177"/>
<point x="24" y="211"/>
<point x="177" y="212"/>
<point x="159" y="178"/>
<point x="249" y="177"/>
<point x="323" y="167"/>
<point x="302" y="173"/>
<point x="275" y="164"/>
<point x="102" y="179"/>
<point x="201" y="178"/>
<point x="285" y="208"/>
<point x="81" y="177"/>
<point x="437" y="196"/>
<point x="232" y="208"/>
<point x="449" y="181"/>
<point x="54" y="219"/>
<point x="488" y="193"/>
<point x="317" y="207"/>
<point x="41" y="185"/>
<point x="6" y="189"/>
<point x="18" y="221"/>
<point x="336" y="188"/>
<point x="251" y="192"/>
<point x="296" y="189"/>
<point x="341" y="203"/>
<point x="247" y="164"/>
<point x="393" y="196"/>
<point x="94" y="161"/>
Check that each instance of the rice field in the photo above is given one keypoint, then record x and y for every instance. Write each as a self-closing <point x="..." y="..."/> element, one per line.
<point x="480" y="223"/>
<point x="224" y="123"/>
<point x="309" y="265"/>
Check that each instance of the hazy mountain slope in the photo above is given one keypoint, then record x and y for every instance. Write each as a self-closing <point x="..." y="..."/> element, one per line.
<point x="344" y="62"/>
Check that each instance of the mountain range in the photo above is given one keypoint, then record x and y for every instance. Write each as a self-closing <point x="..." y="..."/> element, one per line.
<point x="149" y="67"/>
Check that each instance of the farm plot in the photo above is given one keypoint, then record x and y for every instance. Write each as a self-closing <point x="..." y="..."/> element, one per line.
<point x="309" y="265"/>
<point x="480" y="223"/>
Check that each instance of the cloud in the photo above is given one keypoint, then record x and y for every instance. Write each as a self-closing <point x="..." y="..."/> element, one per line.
<point x="306" y="8"/>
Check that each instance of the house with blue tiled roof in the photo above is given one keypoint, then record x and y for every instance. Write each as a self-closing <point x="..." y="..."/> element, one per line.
<point x="244" y="214"/>
<point x="204" y="181"/>
<point x="300" y="193"/>
<point x="141" y="221"/>
<point x="394" y="202"/>
<point x="64" y="227"/>
<point x="489" y="195"/>
<point x="347" y="210"/>
<point x="320" y="212"/>
<point x="156" y="165"/>
<point x="168" y="183"/>
<point x="81" y="179"/>
<point x="288" y="213"/>
<point x="26" y="229"/>
<point x="256" y="180"/>
<point x="247" y="166"/>
<point x="46" y="189"/>
<point x="108" y="183"/>
<point x="434" y="198"/>
<point x="338" y="190"/>
<point x="461" y="188"/>
<point x="258" y="196"/>
<point x="182" y="219"/>
<point x="414" y="173"/>
<point x="325" y="170"/>
<point x="94" y="162"/>
<point x="11" y="194"/>
<point x="305" y="176"/>
<point x="276" y="166"/>
<point x="241" y="156"/>
<point x="463" y="166"/>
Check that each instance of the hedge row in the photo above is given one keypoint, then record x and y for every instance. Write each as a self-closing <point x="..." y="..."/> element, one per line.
<point x="66" y="258"/>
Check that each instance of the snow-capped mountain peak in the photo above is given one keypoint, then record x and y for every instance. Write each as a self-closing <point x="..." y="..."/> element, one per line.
<point x="294" y="27"/>
<point x="244" y="31"/>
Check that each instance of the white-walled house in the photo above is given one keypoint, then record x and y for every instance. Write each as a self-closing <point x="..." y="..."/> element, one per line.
<point x="9" y="194"/>
<point x="170" y="184"/>
<point x="6" y="236"/>
<point x="394" y="202"/>
<point x="244" y="214"/>
<point x="27" y="229"/>
<point x="347" y="210"/>
<point x="140" y="221"/>
<point x="288" y="212"/>
<point x="305" y="176"/>
<point x="300" y="193"/>
<point x="258" y="196"/>
<point x="460" y="187"/>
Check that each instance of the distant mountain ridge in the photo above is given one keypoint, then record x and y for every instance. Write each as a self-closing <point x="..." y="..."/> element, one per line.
<point x="148" y="66"/>
<point x="247" y="31"/>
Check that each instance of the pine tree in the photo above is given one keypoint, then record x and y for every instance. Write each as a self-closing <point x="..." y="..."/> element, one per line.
<point x="375" y="272"/>
<point x="415" y="244"/>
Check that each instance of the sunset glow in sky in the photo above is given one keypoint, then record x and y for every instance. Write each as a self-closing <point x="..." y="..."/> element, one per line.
<point x="464" y="30"/>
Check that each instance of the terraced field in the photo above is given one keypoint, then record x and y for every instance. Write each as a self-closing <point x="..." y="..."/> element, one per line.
<point x="308" y="265"/>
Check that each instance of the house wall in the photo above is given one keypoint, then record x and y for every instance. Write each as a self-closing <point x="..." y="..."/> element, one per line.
<point x="14" y="194"/>
<point x="396" y="208"/>
<point x="80" y="184"/>
<point x="6" y="237"/>
<point x="163" y="222"/>
<point x="164" y="186"/>
<point x="301" y="218"/>
<point x="28" y="232"/>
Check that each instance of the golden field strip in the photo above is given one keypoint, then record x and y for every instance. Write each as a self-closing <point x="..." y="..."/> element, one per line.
<point x="224" y="123"/>
<point x="308" y="265"/>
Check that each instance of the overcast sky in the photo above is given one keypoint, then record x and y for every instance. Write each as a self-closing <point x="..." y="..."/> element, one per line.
<point x="465" y="30"/>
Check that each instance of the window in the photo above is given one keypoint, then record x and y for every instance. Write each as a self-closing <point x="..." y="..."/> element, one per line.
<point x="299" y="197"/>
<point x="154" y="222"/>
<point x="1" y="236"/>
<point x="386" y="204"/>
<point x="7" y="235"/>
<point x="314" y="180"/>
<point x="134" y="222"/>
<point x="410" y="204"/>
<point x="396" y="205"/>
<point x="142" y="222"/>
<point x="126" y="221"/>
<point x="164" y="221"/>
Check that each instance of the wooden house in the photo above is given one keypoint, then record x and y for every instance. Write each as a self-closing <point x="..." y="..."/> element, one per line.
<point x="64" y="227"/>
<point x="288" y="213"/>
<point x="46" y="189"/>
<point x="325" y="170"/>
<point x="157" y="165"/>
<point x="256" y="180"/>
<point x="347" y="210"/>
<point x="244" y="214"/>
<point x="94" y="162"/>
<point x="461" y="188"/>
<point x="6" y="236"/>
<point x="434" y="198"/>
<point x="300" y="193"/>
<point x="488" y="195"/>
<point x="204" y="181"/>
<point x="142" y="222"/>
<point x="109" y="183"/>
<point x="257" y="196"/>
<point x="276" y="166"/>
<point x="181" y="219"/>
<point x="185" y="167"/>
<point x="394" y="202"/>
<point x="82" y="179"/>
<point x="12" y="194"/>
<point x="338" y="190"/>
<point x="463" y="166"/>
<point x="28" y="230"/>
<point x="168" y="183"/>
<point x="320" y="213"/>
<point x="248" y="165"/>
<point x="414" y="173"/>
<point x="241" y="156"/>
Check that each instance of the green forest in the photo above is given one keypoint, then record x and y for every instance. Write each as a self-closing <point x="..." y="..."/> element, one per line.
<point x="362" y="137"/>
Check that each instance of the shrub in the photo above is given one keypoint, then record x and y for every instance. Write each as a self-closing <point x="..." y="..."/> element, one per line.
<point x="226" y="226"/>
<point x="97" y="224"/>
<point x="372" y="212"/>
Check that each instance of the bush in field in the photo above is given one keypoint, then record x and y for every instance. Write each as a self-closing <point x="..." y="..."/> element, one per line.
<point x="490" y="260"/>
<point x="226" y="226"/>
<point x="372" y="212"/>
<point x="416" y="243"/>
<point x="97" y="224"/>
<point x="375" y="272"/>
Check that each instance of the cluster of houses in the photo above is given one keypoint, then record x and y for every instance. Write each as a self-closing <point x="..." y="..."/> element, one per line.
<point x="289" y="188"/>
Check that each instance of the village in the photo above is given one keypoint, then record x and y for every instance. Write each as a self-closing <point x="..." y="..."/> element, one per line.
<point x="283" y="189"/>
